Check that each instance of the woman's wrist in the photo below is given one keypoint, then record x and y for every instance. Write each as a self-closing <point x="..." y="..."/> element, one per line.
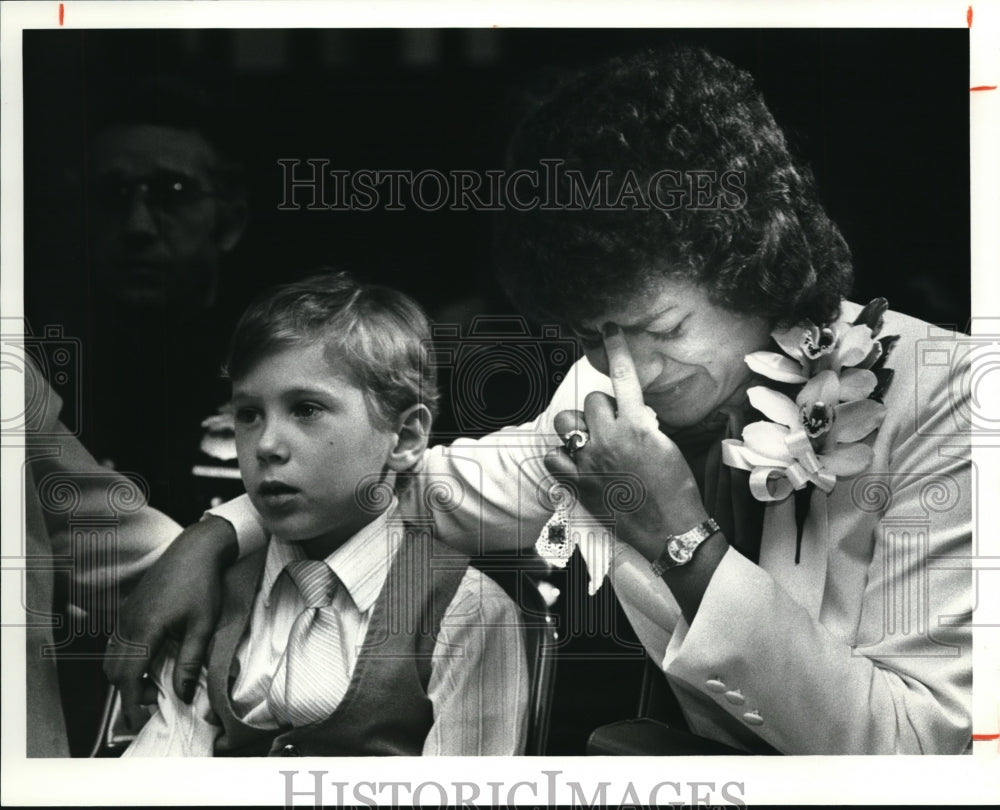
<point x="689" y="582"/>
<point x="650" y="544"/>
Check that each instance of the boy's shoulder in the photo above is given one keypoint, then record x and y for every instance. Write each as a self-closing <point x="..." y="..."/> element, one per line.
<point x="479" y="597"/>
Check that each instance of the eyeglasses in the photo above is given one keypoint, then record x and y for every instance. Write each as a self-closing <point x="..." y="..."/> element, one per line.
<point x="164" y="192"/>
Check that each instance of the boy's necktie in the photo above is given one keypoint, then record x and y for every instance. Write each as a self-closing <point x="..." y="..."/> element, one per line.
<point x="315" y="668"/>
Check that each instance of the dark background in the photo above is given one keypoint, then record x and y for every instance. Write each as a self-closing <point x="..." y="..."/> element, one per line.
<point x="881" y="116"/>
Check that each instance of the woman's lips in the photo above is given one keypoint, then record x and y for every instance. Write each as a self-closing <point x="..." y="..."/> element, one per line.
<point x="669" y="391"/>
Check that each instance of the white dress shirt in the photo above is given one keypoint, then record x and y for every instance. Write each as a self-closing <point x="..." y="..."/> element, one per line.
<point x="479" y="698"/>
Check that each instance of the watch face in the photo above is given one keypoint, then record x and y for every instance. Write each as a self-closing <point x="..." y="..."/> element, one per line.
<point x="679" y="552"/>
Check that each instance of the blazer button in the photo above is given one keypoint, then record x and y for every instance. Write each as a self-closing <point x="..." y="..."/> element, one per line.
<point x="736" y="697"/>
<point x="714" y="685"/>
<point x="289" y="751"/>
<point x="753" y="719"/>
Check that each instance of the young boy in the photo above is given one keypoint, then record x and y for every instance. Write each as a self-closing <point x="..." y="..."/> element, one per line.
<point x="350" y="633"/>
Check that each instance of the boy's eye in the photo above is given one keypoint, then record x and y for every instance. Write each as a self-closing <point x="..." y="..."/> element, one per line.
<point x="246" y="416"/>
<point x="306" y="410"/>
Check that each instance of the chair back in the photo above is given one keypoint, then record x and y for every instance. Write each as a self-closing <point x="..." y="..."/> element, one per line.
<point x="519" y="578"/>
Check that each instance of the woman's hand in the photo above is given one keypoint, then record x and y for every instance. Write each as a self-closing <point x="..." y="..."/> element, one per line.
<point x="626" y="441"/>
<point x="181" y="594"/>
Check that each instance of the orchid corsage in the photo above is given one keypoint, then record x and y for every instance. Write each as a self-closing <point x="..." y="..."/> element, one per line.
<point x="815" y="433"/>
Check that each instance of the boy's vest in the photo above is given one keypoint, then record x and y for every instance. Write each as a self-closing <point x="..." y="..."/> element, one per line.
<point x="385" y="710"/>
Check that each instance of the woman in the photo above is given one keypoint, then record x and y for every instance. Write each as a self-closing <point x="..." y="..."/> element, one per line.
<point x="782" y="583"/>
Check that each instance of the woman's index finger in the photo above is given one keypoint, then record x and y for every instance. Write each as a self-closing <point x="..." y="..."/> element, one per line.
<point x="621" y="369"/>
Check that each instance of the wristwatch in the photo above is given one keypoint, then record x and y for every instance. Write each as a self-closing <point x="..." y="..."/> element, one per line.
<point x="680" y="548"/>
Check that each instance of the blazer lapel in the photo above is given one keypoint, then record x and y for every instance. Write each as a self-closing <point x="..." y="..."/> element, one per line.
<point x="805" y="581"/>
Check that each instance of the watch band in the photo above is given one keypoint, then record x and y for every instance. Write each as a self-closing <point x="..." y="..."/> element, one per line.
<point x="680" y="548"/>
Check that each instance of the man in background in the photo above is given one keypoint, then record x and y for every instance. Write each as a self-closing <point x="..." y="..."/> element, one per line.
<point x="166" y="203"/>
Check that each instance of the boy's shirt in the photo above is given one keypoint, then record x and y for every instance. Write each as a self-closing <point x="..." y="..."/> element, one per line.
<point x="480" y="697"/>
<point x="361" y="565"/>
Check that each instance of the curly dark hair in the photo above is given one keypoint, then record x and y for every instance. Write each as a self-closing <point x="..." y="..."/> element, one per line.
<point x="770" y="251"/>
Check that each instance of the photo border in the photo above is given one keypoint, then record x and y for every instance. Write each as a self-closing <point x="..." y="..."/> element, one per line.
<point x="841" y="780"/>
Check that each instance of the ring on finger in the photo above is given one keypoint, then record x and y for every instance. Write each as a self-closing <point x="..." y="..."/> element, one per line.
<point x="576" y="440"/>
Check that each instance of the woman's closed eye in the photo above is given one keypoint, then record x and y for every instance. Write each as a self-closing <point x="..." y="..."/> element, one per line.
<point x="667" y="334"/>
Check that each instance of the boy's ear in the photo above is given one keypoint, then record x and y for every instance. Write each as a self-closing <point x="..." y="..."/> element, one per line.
<point x="412" y="435"/>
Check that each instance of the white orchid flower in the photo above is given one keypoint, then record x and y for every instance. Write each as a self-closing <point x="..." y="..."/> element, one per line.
<point x="815" y="438"/>
<point x="811" y="349"/>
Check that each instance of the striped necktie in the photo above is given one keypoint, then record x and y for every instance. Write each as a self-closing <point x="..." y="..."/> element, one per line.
<point x="316" y="676"/>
